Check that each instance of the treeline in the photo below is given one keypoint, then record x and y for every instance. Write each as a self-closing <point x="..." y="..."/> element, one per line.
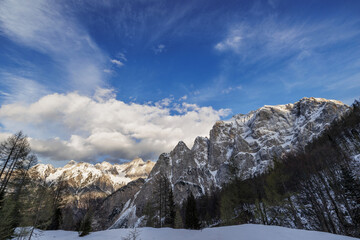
<point x="315" y="188"/>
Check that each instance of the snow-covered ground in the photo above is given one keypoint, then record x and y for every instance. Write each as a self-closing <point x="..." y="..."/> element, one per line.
<point x="246" y="232"/>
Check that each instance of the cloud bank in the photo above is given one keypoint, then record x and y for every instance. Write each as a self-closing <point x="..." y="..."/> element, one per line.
<point x="102" y="126"/>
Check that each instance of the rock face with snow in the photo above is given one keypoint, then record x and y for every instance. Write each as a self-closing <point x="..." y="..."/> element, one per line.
<point x="110" y="208"/>
<point x="85" y="180"/>
<point x="243" y="146"/>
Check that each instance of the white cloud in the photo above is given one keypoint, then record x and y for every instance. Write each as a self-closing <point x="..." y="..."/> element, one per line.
<point x="231" y="42"/>
<point x="159" y="48"/>
<point x="117" y="62"/>
<point x="104" y="94"/>
<point x="4" y="136"/>
<point x="183" y="98"/>
<point x="46" y="27"/>
<point x="74" y="126"/>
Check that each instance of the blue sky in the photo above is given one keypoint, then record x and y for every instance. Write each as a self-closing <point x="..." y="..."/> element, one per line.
<point x="164" y="62"/>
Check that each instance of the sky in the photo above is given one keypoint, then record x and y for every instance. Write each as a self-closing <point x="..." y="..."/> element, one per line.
<point x="113" y="80"/>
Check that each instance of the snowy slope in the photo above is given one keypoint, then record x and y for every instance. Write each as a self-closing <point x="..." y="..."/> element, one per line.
<point x="246" y="232"/>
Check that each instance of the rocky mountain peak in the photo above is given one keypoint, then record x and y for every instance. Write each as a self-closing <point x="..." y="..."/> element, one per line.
<point x="243" y="146"/>
<point x="71" y="163"/>
<point x="199" y="142"/>
<point x="105" y="165"/>
<point x="137" y="161"/>
<point x="181" y="147"/>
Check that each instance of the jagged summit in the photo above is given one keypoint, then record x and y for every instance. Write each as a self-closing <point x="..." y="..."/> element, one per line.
<point x="137" y="161"/>
<point x="71" y="162"/>
<point x="181" y="146"/>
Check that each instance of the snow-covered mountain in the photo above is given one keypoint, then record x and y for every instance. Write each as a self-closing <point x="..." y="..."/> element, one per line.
<point x="243" y="146"/>
<point x="97" y="180"/>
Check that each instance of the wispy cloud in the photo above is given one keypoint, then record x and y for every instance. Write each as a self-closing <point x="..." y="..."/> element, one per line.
<point x="288" y="55"/>
<point x="118" y="63"/>
<point x="122" y="56"/>
<point x="20" y="89"/>
<point x="230" y="89"/>
<point x="220" y="87"/>
<point x="276" y="38"/>
<point x="159" y="48"/>
<point x="45" y="27"/>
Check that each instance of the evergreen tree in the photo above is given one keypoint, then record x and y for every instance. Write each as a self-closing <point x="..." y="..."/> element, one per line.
<point x="178" y="222"/>
<point x="150" y="214"/>
<point x="170" y="217"/>
<point x="227" y="207"/>
<point x="85" y="225"/>
<point x="191" y="214"/>
<point x="164" y="201"/>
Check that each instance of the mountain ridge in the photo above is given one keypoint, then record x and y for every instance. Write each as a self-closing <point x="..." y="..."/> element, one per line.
<point x="245" y="144"/>
<point x="95" y="181"/>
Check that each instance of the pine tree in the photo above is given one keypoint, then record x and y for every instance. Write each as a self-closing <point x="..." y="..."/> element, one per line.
<point x="164" y="201"/>
<point x="227" y="207"/>
<point x="170" y="217"/>
<point x="149" y="212"/>
<point x="191" y="214"/>
<point x="85" y="226"/>
<point x="178" y="222"/>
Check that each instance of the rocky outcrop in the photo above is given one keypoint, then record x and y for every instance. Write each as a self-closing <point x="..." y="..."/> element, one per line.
<point x="111" y="208"/>
<point x="243" y="146"/>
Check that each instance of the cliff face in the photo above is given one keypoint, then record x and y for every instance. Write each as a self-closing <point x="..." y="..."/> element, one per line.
<point x="111" y="208"/>
<point x="243" y="146"/>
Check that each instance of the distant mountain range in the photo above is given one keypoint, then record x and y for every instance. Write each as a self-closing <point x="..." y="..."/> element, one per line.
<point x="85" y="180"/>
